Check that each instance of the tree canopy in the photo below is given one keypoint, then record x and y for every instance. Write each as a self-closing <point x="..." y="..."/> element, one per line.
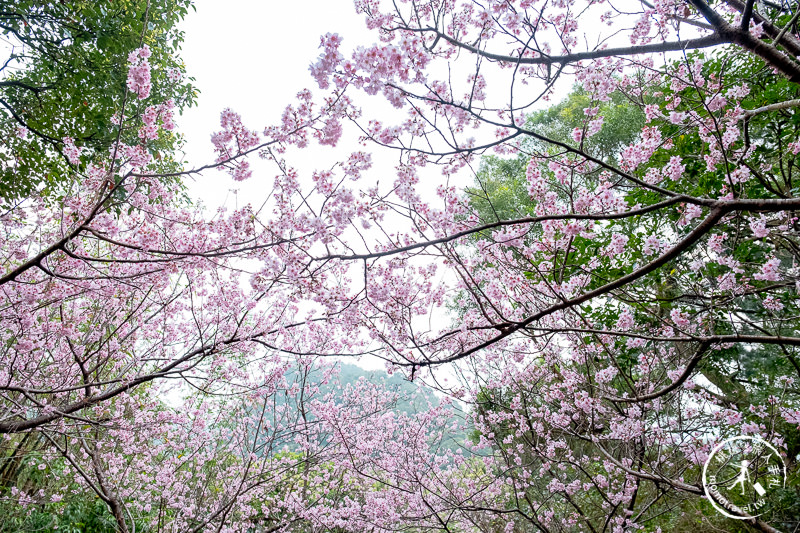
<point x="607" y="307"/>
<point x="65" y="76"/>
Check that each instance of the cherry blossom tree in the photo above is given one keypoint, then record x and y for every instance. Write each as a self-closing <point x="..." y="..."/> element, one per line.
<point x="607" y="341"/>
<point x="632" y="280"/>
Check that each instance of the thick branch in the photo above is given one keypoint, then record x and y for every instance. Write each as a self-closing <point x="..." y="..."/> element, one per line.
<point x="696" y="234"/>
<point x="749" y="42"/>
<point x="779" y="106"/>
<point x="676" y="46"/>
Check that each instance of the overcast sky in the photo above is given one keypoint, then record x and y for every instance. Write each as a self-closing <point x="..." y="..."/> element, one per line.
<point x="253" y="56"/>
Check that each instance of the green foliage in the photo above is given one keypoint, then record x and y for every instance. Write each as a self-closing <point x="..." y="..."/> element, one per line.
<point x="739" y="375"/>
<point x="66" y="77"/>
<point x="622" y="124"/>
<point x="20" y="461"/>
<point x="500" y="191"/>
<point x="82" y="514"/>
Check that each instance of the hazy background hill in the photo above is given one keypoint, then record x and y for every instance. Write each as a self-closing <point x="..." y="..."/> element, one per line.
<point x="412" y="397"/>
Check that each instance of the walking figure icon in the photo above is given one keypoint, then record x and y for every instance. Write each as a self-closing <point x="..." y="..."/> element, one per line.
<point x="744" y="475"/>
<point x="738" y="472"/>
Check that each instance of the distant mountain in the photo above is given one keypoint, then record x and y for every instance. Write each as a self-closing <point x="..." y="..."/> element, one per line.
<point x="413" y="397"/>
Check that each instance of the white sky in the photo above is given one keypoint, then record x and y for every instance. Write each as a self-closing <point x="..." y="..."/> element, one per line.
<point x="253" y="56"/>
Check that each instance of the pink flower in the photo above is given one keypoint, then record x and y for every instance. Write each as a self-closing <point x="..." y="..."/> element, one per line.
<point x="680" y="318"/>
<point x="605" y="375"/>
<point x="634" y="343"/>
<point x="727" y="281"/>
<point x="791" y="415"/>
<point x="674" y="170"/>
<point x="715" y="242"/>
<point x="174" y="74"/>
<point x="72" y="152"/>
<point x="750" y="428"/>
<point x="740" y="175"/>
<point x="651" y="112"/>
<point x="328" y="60"/>
<point x="732" y="417"/>
<point x="772" y="303"/>
<point x="555" y="485"/>
<point x="652" y="245"/>
<point x="677" y="117"/>
<point x="737" y="92"/>
<point x="690" y="212"/>
<point x="594" y="126"/>
<point x="759" y="227"/>
<point x="717" y="102"/>
<point x="331" y="133"/>
<point x="769" y="270"/>
<point x="139" y="72"/>
<point x="617" y="244"/>
<point x="625" y="320"/>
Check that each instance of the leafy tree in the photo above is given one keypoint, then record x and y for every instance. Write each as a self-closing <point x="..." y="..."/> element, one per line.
<point x="65" y="77"/>
<point x="591" y="323"/>
<point x="500" y="191"/>
<point x="739" y="374"/>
